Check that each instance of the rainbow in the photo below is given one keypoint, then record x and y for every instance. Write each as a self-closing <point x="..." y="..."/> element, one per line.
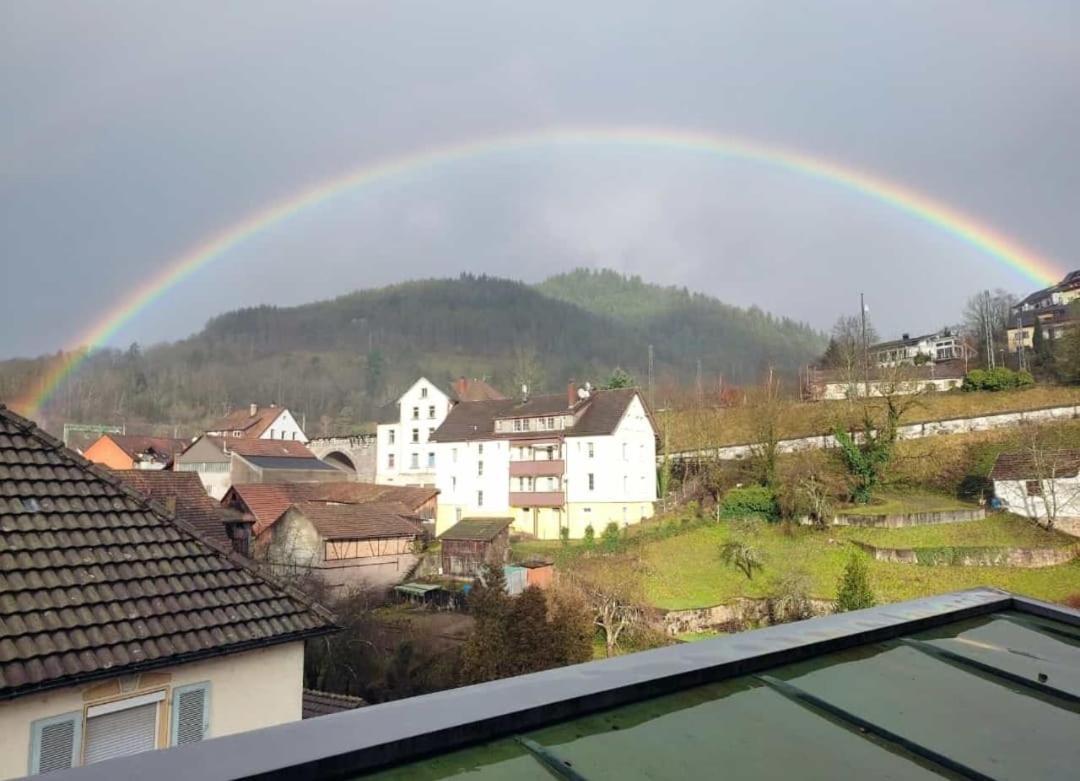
<point x="915" y="204"/>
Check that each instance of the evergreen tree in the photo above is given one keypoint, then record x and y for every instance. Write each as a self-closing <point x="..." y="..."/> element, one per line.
<point x="854" y="592"/>
<point x="1067" y="364"/>
<point x="1042" y="347"/>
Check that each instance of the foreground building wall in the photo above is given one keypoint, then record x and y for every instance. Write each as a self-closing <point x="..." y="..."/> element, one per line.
<point x="246" y="691"/>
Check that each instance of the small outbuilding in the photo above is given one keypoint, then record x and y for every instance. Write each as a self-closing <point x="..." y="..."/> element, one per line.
<point x="538" y="572"/>
<point x="1044" y="485"/>
<point x="473" y="542"/>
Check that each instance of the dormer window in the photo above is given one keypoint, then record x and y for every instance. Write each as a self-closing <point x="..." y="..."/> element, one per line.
<point x="423" y="392"/>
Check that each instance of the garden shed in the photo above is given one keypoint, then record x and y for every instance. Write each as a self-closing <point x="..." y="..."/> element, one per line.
<point x="473" y="542"/>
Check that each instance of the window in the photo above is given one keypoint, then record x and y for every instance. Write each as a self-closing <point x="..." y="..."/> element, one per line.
<point x="430" y="459"/>
<point x="392" y="436"/>
<point x="453" y="483"/>
<point x="457" y="513"/>
<point x="525" y="424"/>
<point x="550" y="453"/>
<point x="625" y="451"/>
<point x="480" y="448"/>
<point x="423" y="393"/>
<point x="190" y="714"/>
<point x="592" y="450"/>
<point x="517" y="424"/>
<point x="592" y="481"/>
<point x="390" y="461"/>
<point x="479" y="498"/>
<point x="117" y="729"/>
<point x="453" y="455"/>
<point x="294" y="435"/>
<point x="1034" y="488"/>
<point x="236" y="434"/>
<point x="415" y="413"/>
<point x="431" y="411"/>
<point x="55" y="743"/>
<point x="479" y="468"/>
<point x="415" y="435"/>
<point x="271" y="433"/>
<point x="414" y="461"/>
<point x="430" y="431"/>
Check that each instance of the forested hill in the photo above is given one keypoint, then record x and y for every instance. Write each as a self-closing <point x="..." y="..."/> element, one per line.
<point x="690" y="325"/>
<point x="336" y="361"/>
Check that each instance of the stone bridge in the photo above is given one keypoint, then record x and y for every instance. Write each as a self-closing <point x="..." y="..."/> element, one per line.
<point x="353" y="454"/>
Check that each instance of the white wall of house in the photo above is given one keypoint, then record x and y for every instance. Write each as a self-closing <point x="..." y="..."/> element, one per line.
<point x="623" y="485"/>
<point x="247" y="691"/>
<point x="285" y="427"/>
<point x="1065" y="497"/>
<point x="399" y="459"/>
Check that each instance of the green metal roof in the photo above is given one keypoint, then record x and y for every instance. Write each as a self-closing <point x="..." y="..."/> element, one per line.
<point x="990" y="697"/>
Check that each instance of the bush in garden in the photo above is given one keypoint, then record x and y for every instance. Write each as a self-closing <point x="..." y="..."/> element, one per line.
<point x="750" y="501"/>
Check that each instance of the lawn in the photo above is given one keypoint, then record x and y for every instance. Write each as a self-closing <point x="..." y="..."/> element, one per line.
<point x="997" y="530"/>
<point x="899" y="502"/>
<point x="685" y="571"/>
<point x="694" y="428"/>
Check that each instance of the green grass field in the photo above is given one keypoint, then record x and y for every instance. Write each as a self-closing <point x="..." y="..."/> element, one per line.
<point x="895" y="502"/>
<point x="684" y="570"/>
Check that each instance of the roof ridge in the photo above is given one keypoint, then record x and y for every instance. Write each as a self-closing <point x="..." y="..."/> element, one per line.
<point x="33" y="430"/>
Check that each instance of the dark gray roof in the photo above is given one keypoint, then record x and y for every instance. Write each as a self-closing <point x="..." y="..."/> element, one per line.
<point x="1023" y="465"/>
<point x="96" y="581"/>
<point x="597" y="415"/>
<point x="478" y="529"/>
<point x="974" y="684"/>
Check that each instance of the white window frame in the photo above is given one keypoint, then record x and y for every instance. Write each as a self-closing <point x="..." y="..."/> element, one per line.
<point x="39" y="725"/>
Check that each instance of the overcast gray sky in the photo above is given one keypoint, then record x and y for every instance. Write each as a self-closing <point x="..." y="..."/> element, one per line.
<point x="133" y="131"/>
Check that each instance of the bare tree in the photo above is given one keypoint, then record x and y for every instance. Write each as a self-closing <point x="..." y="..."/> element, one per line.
<point x="986" y="320"/>
<point x="1055" y="483"/>
<point x="612" y="588"/>
<point x="769" y="414"/>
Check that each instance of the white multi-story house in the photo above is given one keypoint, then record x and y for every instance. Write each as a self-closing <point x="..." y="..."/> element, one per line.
<point x="937" y="347"/>
<point x="587" y="458"/>
<point x="257" y="422"/>
<point x="405" y="452"/>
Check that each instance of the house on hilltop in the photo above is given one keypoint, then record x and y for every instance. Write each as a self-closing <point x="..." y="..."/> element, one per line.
<point x="255" y="422"/>
<point x="405" y="452"/>
<point x="130" y="451"/>
<point x="908" y="350"/>
<point x="553" y="462"/>
<point x="122" y="628"/>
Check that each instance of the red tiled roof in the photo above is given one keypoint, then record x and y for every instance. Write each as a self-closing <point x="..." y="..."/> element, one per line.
<point x="281" y="448"/>
<point x="466" y="389"/>
<point x="336" y="521"/>
<point x="96" y="582"/>
<point x="192" y="504"/>
<point x="135" y="445"/>
<point x="242" y="420"/>
<point x="267" y="501"/>
<point x="1023" y="465"/>
<point x="319" y="703"/>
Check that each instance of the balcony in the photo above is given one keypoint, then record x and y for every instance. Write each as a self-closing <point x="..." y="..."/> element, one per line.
<point x="540" y="468"/>
<point x="537" y="498"/>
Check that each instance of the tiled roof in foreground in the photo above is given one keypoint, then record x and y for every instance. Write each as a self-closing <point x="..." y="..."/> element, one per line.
<point x="96" y="581"/>
<point x="974" y="684"/>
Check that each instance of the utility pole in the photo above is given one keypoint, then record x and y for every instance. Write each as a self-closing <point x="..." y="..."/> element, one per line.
<point x="1021" y="358"/>
<point x="652" y="395"/>
<point x="988" y="331"/>
<point x="865" y="346"/>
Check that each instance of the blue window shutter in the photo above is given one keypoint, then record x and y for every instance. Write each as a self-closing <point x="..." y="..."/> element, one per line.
<point x="55" y="743"/>
<point x="190" y="720"/>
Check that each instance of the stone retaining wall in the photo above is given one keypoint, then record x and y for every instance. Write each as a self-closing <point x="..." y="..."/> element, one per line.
<point x="908" y="431"/>
<point x="735" y="615"/>
<point x="904" y="520"/>
<point x="1027" y="558"/>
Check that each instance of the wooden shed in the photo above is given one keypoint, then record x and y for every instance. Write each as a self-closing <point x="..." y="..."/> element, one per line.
<point x="540" y="573"/>
<point x="472" y="542"/>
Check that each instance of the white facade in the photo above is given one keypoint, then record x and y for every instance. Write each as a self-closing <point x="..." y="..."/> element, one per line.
<point x="404" y="453"/>
<point x="285" y="427"/>
<point x="1032" y="498"/>
<point x="578" y="481"/>
<point x="942" y="346"/>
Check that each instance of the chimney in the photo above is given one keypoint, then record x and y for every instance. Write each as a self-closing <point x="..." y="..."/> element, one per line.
<point x="906" y="336"/>
<point x="524" y="392"/>
<point x="253" y="409"/>
<point x="571" y="393"/>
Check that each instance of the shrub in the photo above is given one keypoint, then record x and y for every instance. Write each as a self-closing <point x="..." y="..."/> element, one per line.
<point x="610" y="537"/>
<point x="590" y="536"/>
<point x="564" y="535"/>
<point x="750" y="501"/>
<point x="853" y="592"/>
<point x="997" y="379"/>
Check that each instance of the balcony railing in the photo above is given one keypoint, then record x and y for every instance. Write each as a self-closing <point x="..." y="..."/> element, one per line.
<point x="537" y="498"/>
<point x="539" y="468"/>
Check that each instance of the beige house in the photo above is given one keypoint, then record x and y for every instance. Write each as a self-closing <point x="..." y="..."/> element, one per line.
<point x="121" y="628"/>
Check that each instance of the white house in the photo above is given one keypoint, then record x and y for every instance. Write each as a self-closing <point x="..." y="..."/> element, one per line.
<point x="122" y="629"/>
<point x="936" y="347"/>
<point x="587" y="458"/>
<point x="1040" y="485"/>
<point x="257" y="422"/>
<point x="405" y="452"/>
